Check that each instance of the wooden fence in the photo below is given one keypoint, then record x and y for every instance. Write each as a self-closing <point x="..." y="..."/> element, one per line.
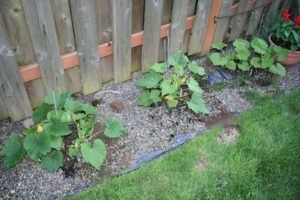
<point x="77" y="45"/>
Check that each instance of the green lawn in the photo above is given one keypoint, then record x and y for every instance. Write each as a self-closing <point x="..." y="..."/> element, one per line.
<point x="264" y="163"/>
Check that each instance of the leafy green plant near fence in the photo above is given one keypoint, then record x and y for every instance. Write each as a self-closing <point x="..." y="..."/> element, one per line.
<point x="53" y="121"/>
<point x="246" y="56"/>
<point x="173" y="82"/>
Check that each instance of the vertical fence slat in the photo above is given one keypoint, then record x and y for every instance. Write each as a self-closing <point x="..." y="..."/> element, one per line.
<point x="65" y="34"/>
<point x="153" y="18"/>
<point x="239" y="21"/>
<point x="187" y="34"/>
<point x="122" y="28"/>
<point x="211" y="26"/>
<point x="222" y="23"/>
<point x="13" y="92"/>
<point x="42" y="30"/>
<point x="255" y="17"/>
<point x="137" y="26"/>
<point x="199" y="26"/>
<point x="20" y="40"/>
<point x="166" y="18"/>
<point x="84" y="22"/>
<point x="104" y="32"/>
<point x="179" y="14"/>
<point x="272" y="12"/>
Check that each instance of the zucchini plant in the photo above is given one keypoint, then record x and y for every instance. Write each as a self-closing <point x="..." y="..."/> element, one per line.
<point x="53" y="120"/>
<point x="246" y="56"/>
<point x="173" y="82"/>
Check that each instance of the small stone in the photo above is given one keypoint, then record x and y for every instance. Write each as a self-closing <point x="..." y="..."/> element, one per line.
<point x="117" y="106"/>
<point x="12" y="191"/>
<point x="27" y="123"/>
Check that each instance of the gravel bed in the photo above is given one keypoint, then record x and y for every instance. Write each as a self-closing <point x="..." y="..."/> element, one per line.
<point x="151" y="129"/>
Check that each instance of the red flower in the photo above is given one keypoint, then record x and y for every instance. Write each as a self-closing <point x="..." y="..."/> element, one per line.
<point x="297" y="20"/>
<point x="286" y="15"/>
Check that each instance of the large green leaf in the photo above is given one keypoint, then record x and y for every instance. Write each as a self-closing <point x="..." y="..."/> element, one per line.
<point x="57" y="98"/>
<point x="179" y="69"/>
<point x="172" y="103"/>
<point x="57" y="128"/>
<point x="197" y="104"/>
<point x="56" y="142"/>
<point x="231" y="65"/>
<point x="168" y="87"/>
<point x="244" y="66"/>
<point x="52" y="161"/>
<point x="255" y="62"/>
<point x="40" y="113"/>
<point x="76" y="106"/>
<point x="159" y="67"/>
<point x="193" y="67"/>
<point x="94" y="154"/>
<point x="242" y="54"/>
<point x="216" y="59"/>
<point x="278" y="69"/>
<point x="113" y="128"/>
<point x="194" y="86"/>
<point x="145" y="99"/>
<point x="54" y="114"/>
<point x="155" y="96"/>
<point x="266" y="61"/>
<point x="259" y="45"/>
<point x="150" y="80"/>
<point x="281" y="53"/>
<point x="219" y="45"/>
<point x="89" y="109"/>
<point x="178" y="59"/>
<point x="13" y="151"/>
<point x="241" y="44"/>
<point x="37" y="145"/>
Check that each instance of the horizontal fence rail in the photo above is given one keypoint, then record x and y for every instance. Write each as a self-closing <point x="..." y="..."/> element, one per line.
<point x="77" y="45"/>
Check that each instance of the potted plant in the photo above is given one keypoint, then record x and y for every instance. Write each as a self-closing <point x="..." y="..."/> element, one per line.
<point x="285" y="33"/>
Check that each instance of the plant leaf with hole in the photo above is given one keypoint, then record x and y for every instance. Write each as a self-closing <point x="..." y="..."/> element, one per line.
<point x="150" y="80"/>
<point x="219" y="45"/>
<point x="13" y="151"/>
<point x="197" y="104"/>
<point x="37" y="145"/>
<point x="193" y="67"/>
<point x="159" y="68"/>
<point x="113" y="128"/>
<point x="52" y="161"/>
<point x="93" y="153"/>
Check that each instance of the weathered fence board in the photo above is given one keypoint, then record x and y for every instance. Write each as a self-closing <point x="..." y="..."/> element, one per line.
<point x="187" y="34"/>
<point x="222" y="23"/>
<point x="20" y="40"/>
<point x="122" y="28"/>
<point x="255" y="18"/>
<point x="137" y="26"/>
<point x="84" y="19"/>
<point x="13" y="93"/>
<point x="153" y="18"/>
<point x="41" y="27"/>
<point x="104" y="32"/>
<point x="65" y="34"/>
<point x="179" y="15"/>
<point x="199" y="27"/>
<point x="239" y="21"/>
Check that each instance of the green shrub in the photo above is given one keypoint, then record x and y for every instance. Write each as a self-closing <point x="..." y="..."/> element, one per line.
<point x="173" y="83"/>
<point x="53" y="119"/>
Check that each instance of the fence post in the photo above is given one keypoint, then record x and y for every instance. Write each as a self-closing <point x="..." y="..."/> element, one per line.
<point x="12" y="90"/>
<point x="153" y="18"/>
<point x="179" y="15"/>
<point x="122" y="28"/>
<point x="199" y="26"/>
<point x="41" y="26"/>
<point x="84" y="21"/>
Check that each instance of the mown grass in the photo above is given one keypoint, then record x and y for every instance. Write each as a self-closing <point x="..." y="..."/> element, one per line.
<point x="264" y="163"/>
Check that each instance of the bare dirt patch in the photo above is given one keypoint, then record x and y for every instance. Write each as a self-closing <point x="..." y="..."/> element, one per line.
<point x="230" y="134"/>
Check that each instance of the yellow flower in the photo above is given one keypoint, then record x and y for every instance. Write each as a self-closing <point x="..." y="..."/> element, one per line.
<point x="168" y="98"/>
<point x="39" y="128"/>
